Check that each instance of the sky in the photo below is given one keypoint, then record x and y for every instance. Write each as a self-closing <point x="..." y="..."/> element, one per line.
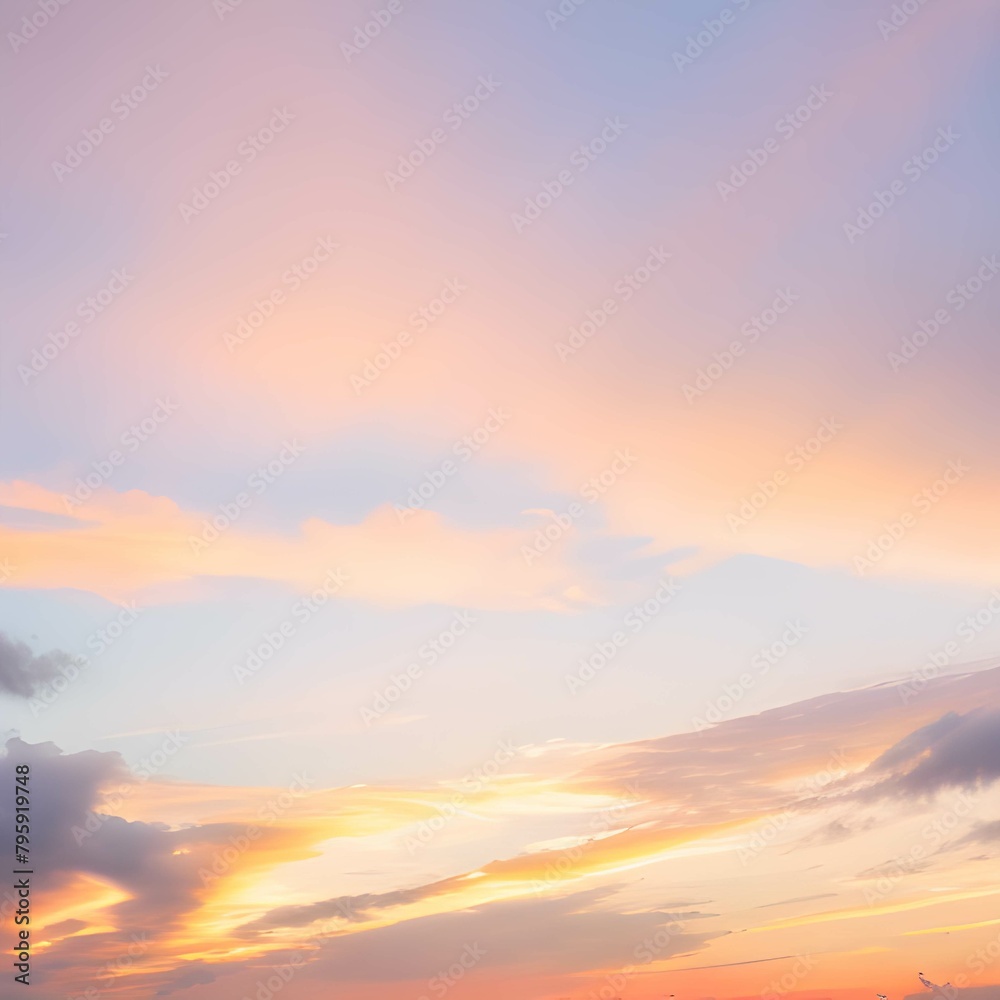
<point x="498" y="500"/>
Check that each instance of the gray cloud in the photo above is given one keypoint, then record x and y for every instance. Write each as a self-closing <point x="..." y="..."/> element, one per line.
<point x="563" y="935"/>
<point x="351" y="909"/>
<point x="160" y="870"/>
<point x="22" y="673"/>
<point x="911" y="746"/>
<point x="955" y="751"/>
<point x="982" y="833"/>
<point x="560" y="936"/>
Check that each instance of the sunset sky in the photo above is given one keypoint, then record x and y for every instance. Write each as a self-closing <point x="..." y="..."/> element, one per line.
<point x="499" y="500"/>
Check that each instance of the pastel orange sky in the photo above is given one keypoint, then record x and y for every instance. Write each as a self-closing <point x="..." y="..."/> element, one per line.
<point x="500" y="500"/>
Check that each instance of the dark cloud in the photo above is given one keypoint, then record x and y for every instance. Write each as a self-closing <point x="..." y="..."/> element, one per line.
<point x="22" y="673"/>
<point x="955" y="751"/>
<point x="63" y="790"/>
<point x="161" y="871"/>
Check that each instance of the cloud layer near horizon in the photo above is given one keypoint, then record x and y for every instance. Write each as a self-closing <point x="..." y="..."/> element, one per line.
<point x="576" y="823"/>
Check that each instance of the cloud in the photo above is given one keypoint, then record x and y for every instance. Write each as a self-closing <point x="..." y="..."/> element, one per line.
<point x="352" y="909"/>
<point x="839" y="829"/>
<point x="983" y="833"/>
<point x="797" y="899"/>
<point x="527" y="873"/>
<point x="686" y="788"/>
<point x="22" y="673"/>
<point x="567" y="934"/>
<point x="829" y="752"/>
<point x="905" y="750"/>
<point x="120" y="544"/>
<point x="954" y="751"/>
<point x="571" y="934"/>
<point x="145" y="880"/>
<point x="187" y="975"/>
<point x="689" y="795"/>
<point x="69" y="838"/>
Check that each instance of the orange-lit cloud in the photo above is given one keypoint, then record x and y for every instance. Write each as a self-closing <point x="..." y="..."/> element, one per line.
<point x="210" y="866"/>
